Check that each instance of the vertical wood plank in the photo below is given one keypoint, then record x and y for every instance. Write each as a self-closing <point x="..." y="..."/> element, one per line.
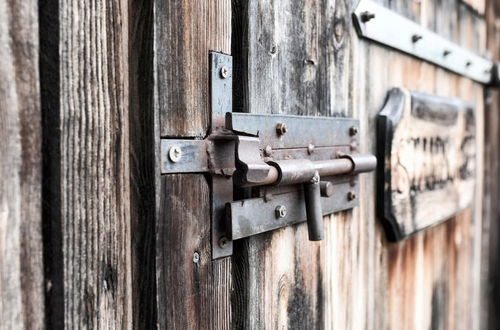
<point x="193" y="291"/>
<point x="185" y="32"/>
<point x="89" y="173"/>
<point x="21" y="266"/>
<point x="362" y="278"/>
<point x="491" y="211"/>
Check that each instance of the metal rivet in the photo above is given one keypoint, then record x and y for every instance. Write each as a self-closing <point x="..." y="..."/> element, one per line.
<point x="353" y="130"/>
<point x="175" y="154"/>
<point x="366" y="16"/>
<point x="446" y="53"/>
<point x="196" y="257"/>
<point x="280" y="211"/>
<point x="281" y="129"/>
<point x="224" y="72"/>
<point x="310" y="148"/>
<point x="268" y="151"/>
<point x="223" y="242"/>
<point x="351" y="196"/>
<point x="416" y="37"/>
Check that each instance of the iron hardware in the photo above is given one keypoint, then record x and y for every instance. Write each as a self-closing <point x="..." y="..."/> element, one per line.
<point x="375" y="22"/>
<point x="294" y="168"/>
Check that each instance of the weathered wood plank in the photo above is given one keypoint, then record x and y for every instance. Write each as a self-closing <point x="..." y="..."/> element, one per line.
<point x="88" y="175"/>
<point x="21" y="266"/>
<point x="272" y="49"/>
<point x="491" y="211"/>
<point x="427" y="150"/>
<point x="185" y="32"/>
<point x="192" y="293"/>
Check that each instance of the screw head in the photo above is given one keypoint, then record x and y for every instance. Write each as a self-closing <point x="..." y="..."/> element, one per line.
<point x="351" y="195"/>
<point x="224" y="72"/>
<point x="268" y="151"/>
<point x="446" y="53"/>
<point x="281" y="129"/>
<point x="223" y="242"/>
<point x="175" y="154"/>
<point x="353" y="130"/>
<point x="196" y="257"/>
<point x="366" y="16"/>
<point x="280" y="211"/>
<point x="416" y="37"/>
<point x="315" y="178"/>
<point x="468" y="63"/>
<point x="310" y="148"/>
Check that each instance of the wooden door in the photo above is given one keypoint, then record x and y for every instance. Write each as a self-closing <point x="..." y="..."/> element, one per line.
<point x="305" y="58"/>
<point x="93" y="235"/>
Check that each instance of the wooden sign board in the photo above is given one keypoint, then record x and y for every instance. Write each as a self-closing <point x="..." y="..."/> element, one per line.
<point x="426" y="156"/>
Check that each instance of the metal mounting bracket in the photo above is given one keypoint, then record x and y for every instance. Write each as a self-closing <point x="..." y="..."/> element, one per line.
<point x="375" y="22"/>
<point x="269" y="171"/>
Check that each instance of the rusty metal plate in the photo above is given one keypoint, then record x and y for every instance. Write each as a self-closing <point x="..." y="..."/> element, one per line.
<point x="426" y="156"/>
<point x="257" y="215"/>
<point x="375" y="22"/>
<point x="300" y="130"/>
<point x="192" y="158"/>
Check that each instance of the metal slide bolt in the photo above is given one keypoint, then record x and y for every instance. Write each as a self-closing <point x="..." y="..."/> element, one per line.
<point x="175" y="154"/>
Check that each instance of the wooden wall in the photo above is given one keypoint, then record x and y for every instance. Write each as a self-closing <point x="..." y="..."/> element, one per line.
<point x="88" y="88"/>
<point x="21" y="265"/>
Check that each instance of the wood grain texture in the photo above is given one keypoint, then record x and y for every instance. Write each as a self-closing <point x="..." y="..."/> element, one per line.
<point x="190" y="294"/>
<point x="491" y="214"/>
<point x="301" y="57"/>
<point x="426" y="151"/>
<point x="21" y="266"/>
<point x="88" y="172"/>
<point x="185" y="31"/>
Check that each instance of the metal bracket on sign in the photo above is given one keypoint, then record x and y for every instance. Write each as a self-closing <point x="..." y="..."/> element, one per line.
<point x="375" y="22"/>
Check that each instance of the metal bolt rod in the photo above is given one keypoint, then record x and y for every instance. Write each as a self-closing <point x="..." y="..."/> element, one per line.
<point x="312" y="196"/>
<point x="301" y="170"/>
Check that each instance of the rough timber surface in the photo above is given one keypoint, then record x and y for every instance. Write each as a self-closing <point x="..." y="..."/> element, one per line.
<point x="21" y="265"/>
<point x="193" y="292"/>
<point x="426" y="150"/>
<point x="304" y="58"/>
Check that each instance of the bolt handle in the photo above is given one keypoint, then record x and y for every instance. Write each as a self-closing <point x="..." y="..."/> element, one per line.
<point x="312" y="196"/>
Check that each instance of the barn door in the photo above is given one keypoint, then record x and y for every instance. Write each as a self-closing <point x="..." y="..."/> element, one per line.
<point x="303" y="58"/>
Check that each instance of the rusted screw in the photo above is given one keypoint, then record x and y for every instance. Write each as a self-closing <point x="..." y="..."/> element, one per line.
<point x="366" y="16"/>
<point x="175" y="154"/>
<point x="281" y="129"/>
<point x="224" y="72"/>
<point x="351" y="196"/>
<point x="223" y="242"/>
<point x="310" y="148"/>
<point x="280" y="211"/>
<point x="353" y="130"/>
<point x="416" y="37"/>
<point x="268" y="151"/>
<point x="196" y="257"/>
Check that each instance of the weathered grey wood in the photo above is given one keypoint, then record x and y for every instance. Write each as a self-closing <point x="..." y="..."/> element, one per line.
<point x="185" y="32"/>
<point x="88" y="173"/>
<point x="427" y="151"/>
<point x="21" y="267"/>
<point x="491" y="230"/>
<point x="190" y="294"/>
<point x="304" y="58"/>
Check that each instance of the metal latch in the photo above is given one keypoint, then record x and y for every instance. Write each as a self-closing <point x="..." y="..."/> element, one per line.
<point x="269" y="171"/>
